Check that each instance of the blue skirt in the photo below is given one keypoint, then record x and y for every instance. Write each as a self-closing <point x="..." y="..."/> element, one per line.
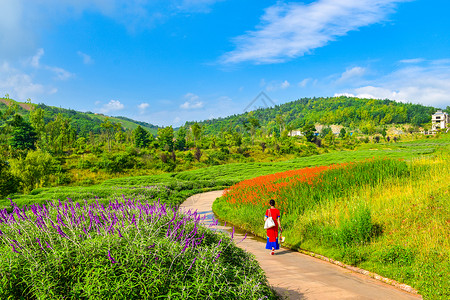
<point x="275" y="244"/>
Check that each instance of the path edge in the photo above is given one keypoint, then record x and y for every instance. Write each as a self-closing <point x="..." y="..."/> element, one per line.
<point x="392" y="282"/>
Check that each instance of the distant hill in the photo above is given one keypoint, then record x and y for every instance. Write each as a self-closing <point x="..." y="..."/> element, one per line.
<point x="82" y="122"/>
<point x="347" y="111"/>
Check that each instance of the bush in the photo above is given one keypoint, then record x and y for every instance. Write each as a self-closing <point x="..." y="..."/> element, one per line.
<point x="129" y="249"/>
<point x="116" y="163"/>
<point x="34" y="170"/>
<point x="9" y="183"/>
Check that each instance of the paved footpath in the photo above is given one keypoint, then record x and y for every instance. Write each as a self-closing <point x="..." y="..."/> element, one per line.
<point x="298" y="276"/>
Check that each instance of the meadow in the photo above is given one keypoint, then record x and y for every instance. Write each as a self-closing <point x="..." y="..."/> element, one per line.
<point x="174" y="188"/>
<point x="388" y="216"/>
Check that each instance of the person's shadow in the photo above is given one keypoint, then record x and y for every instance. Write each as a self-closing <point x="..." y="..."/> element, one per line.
<point x="282" y="251"/>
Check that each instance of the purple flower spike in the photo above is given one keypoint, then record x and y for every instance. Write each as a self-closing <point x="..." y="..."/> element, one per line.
<point x="111" y="258"/>
<point x="218" y="255"/>
<point x="39" y="242"/>
<point x="190" y="267"/>
<point x="14" y="249"/>
<point x="48" y="245"/>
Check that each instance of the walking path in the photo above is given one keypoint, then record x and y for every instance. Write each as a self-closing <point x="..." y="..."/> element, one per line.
<point x="298" y="276"/>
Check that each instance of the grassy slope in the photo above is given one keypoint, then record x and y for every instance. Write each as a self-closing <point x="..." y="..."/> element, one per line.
<point x="413" y="212"/>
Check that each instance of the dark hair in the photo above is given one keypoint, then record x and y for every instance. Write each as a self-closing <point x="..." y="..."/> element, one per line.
<point x="272" y="202"/>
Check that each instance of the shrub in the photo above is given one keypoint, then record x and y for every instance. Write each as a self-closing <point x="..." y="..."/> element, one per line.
<point x="9" y="183"/>
<point x="129" y="249"/>
<point x="34" y="170"/>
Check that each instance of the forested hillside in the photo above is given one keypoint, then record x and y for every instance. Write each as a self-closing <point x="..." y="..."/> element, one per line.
<point x="364" y="115"/>
<point x="81" y="122"/>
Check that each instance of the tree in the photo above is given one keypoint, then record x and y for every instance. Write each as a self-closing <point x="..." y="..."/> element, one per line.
<point x="251" y="125"/>
<point x="109" y="129"/>
<point x="23" y="136"/>
<point x="198" y="154"/>
<point x="263" y="146"/>
<point x="342" y="133"/>
<point x="325" y="131"/>
<point x="196" y="131"/>
<point x="384" y="133"/>
<point x="180" y="142"/>
<point x="34" y="170"/>
<point x="8" y="182"/>
<point x="165" y="138"/>
<point x="38" y="122"/>
<point x="141" y="137"/>
<point x="59" y="133"/>
<point x="308" y="131"/>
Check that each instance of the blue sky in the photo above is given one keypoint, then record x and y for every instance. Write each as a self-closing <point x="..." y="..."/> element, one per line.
<point x="170" y="61"/>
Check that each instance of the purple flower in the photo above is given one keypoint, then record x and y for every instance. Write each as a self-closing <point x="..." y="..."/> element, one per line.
<point x="243" y="238"/>
<point x="190" y="267"/>
<point x="120" y="234"/>
<point x="39" y="242"/>
<point x="111" y="258"/>
<point x="48" y="245"/>
<point x="14" y="249"/>
<point x="218" y="255"/>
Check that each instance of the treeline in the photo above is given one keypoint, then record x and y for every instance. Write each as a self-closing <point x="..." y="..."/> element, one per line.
<point x="365" y="115"/>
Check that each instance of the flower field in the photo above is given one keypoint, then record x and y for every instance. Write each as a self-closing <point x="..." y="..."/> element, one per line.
<point x="127" y="249"/>
<point x="388" y="216"/>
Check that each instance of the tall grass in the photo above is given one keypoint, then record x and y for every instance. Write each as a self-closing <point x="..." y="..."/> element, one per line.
<point x="388" y="216"/>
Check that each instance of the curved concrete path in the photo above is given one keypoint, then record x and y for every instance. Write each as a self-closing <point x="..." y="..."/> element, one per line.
<point x="297" y="276"/>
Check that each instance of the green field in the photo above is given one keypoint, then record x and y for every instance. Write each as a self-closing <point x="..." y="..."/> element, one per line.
<point x="174" y="188"/>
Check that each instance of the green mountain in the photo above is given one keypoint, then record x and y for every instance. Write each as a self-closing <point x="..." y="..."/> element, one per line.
<point x="350" y="112"/>
<point x="82" y="122"/>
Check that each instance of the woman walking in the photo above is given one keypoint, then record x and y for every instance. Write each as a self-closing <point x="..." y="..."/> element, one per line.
<point x="272" y="233"/>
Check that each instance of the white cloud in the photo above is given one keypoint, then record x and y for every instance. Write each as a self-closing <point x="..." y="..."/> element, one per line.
<point x="35" y="60"/>
<point x="113" y="105"/>
<point x="273" y="86"/>
<point x="412" y="61"/>
<point x="87" y="59"/>
<point x="192" y="102"/>
<point x="285" y="84"/>
<point x="60" y="73"/>
<point x="351" y="74"/>
<point x="143" y="107"/>
<point x="21" y="86"/>
<point x="428" y="84"/>
<point x="304" y="82"/>
<point x="290" y="30"/>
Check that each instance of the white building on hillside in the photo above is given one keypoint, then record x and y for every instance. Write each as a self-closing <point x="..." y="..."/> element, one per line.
<point x="440" y="120"/>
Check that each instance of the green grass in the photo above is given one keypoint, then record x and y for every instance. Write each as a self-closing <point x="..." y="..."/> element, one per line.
<point x="391" y="219"/>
